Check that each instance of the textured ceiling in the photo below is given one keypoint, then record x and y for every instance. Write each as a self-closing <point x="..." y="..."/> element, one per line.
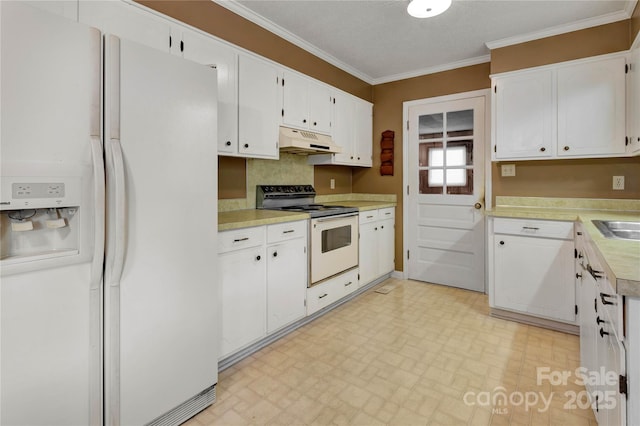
<point x="378" y="41"/>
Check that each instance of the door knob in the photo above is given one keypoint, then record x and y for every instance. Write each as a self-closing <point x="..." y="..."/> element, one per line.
<point x="477" y="206"/>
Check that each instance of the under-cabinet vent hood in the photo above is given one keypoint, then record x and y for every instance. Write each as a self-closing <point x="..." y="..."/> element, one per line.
<point x="305" y="142"/>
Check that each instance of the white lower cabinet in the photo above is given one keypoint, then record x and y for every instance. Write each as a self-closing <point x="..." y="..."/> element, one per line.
<point x="286" y="273"/>
<point x="376" y="247"/>
<point x="263" y="280"/>
<point x="243" y="283"/>
<point x="532" y="266"/>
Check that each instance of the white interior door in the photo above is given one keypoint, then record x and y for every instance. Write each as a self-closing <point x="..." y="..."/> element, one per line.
<point x="445" y="234"/>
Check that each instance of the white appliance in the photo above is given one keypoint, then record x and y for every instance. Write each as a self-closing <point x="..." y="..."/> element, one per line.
<point x="108" y="208"/>
<point x="305" y="142"/>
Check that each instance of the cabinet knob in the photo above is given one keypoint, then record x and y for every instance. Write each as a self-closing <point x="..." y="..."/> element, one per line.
<point x="381" y="226"/>
<point x="246" y="145"/>
<point x="578" y="276"/>
<point x="543" y="149"/>
<point x="304" y="120"/>
<point x="228" y="143"/>
<point x="566" y="148"/>
<point x="275" y="254"/>
<point x="358" y="158"/>
<point x="501" y="243"/>
<point x="352" y="157"/>
<point x="477" y="206"/>
<point x="258" y="257"/>
<point x="315" y="123"/>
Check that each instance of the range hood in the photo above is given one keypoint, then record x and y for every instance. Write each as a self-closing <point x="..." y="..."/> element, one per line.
<point x="305" y="142"/>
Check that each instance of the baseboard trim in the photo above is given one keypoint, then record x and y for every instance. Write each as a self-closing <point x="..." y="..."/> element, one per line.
<point x="539" y="322"/>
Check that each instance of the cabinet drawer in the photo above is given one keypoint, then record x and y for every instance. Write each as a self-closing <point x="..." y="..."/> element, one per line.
<point x="322" y="295"/>
<point x="286" y="231"/>
<point x="388" y="213"/>
<point x="534" y="228"/>
<point x="240" y="238"/>
<point x="368" y="216"/>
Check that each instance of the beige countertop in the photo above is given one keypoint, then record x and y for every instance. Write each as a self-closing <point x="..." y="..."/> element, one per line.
<point x="235" y="219"/>
<point x="254" y="217"/>
<point x="622" y="256"/>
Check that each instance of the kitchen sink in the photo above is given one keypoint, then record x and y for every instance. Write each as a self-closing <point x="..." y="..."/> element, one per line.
<point x="618" y="229"/>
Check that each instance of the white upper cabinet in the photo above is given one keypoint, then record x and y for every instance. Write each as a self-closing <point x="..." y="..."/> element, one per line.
<point x="524" y="116"/>
<point x="127" y="21"/>
<point x="306" y="104"/>
<point x="208" y="51"/>
<point x="591" y="108"/>
<point x="258" y="112"/>
<point x="352" y="131"/>
<point x="568" y="110"/>
<point x="633" y="102"/>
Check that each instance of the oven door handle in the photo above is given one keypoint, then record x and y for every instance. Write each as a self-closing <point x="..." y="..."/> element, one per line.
<point x="336" y="217"/>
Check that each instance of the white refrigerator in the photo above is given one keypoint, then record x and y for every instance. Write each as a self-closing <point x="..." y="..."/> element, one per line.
<point x="108" y="226"/>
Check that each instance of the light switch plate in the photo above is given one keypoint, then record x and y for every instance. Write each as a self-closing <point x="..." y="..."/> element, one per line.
<point x="508" y="169"/>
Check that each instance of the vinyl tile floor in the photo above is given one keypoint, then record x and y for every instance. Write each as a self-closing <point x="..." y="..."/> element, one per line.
<point x="422" y="354"/>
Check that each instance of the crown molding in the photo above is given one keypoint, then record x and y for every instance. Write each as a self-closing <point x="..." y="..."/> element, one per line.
<point x="432" y="70"/>
<point x="250" y="15"/>
<point x="563" y="29"/>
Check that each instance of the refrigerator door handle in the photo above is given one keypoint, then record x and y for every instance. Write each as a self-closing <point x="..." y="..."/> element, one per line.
<point x="99" y="212"/>
<point x="119" y="212"/>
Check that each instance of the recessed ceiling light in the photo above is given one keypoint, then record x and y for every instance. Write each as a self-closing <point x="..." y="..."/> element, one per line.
<point x="427" y="8"/>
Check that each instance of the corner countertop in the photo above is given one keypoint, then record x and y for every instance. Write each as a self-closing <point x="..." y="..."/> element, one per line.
<point x="622" y="256"/>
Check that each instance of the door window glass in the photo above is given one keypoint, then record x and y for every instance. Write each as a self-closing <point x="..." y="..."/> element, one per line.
<point x="445" y="160"/>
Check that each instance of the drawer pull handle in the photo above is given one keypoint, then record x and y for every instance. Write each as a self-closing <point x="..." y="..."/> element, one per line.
<point x="289" y="231"/>
<point x="603" y="297"/>
<point x="602" y="333"/>
<point x="599" y="321"/>
<point x="324" y="295"/>
<point x="369" y="217"/>
<point x="237" y="240"/>
<point x="531" y="228"/>
<point x="348" y="284"/>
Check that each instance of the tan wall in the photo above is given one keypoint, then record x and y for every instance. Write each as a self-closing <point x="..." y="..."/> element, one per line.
<point x="565" y="47"/>
<point x="387" y="115"/>
<point x="220" y="22"/>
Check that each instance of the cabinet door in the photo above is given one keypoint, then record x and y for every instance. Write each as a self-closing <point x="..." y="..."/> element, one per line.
<point x="127" y="21"/>
<point x="295" y="101"/>
<point x="258" y="111"/>
<point x="591" y="108"/>
<point x="633" y="102"/>
<point x="286" y="283"/>
<point x="344" y="112"/>
<point x="368" y="252"/>
<point x="535" y="275"/>
<point x="363" y="136"/>
<point x="320" y="103"/>
<point x="524" y="116"/>
<point x="386" y="246"/>
<point x="207" y="51"/>
<point x="244" y="299"/>
<point x="588" y="330"/>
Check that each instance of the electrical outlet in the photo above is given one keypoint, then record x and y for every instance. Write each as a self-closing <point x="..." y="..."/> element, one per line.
<point x="332" y="183"/>
<point x="508" y="169"/>
<point x="618" y="182"/>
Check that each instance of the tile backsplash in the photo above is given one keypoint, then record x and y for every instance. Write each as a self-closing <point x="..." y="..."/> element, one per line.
<point x="291" y="169"/>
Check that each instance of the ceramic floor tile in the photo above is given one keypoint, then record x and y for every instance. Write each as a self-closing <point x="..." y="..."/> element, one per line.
<point x="419" y="355"/>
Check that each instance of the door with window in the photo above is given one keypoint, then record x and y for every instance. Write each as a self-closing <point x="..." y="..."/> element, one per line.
<point x="445" y="234"/>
